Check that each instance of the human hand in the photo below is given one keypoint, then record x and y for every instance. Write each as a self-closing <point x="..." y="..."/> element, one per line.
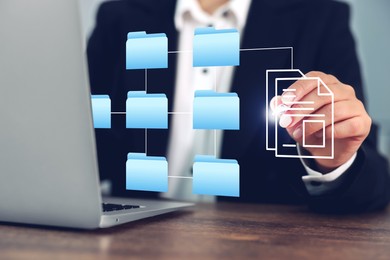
<point x="351" y="122"/>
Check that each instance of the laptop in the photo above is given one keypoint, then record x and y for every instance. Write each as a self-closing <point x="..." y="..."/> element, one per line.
<point x="48" y="160"/>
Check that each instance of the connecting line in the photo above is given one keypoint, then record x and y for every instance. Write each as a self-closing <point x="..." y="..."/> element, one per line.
<point x="253" y="49"/>
<point x="146" y="141"/>
<point x="215" y="131"/>
<point x="146" y="80"/>
<point x="215" y="143"/>
<point x="179" y="113"/>
<point x="267" y="49"/>
<point x="173" y="52"/>
<point x="169" y="113"/>
<point x="215" y="79"/>
<point x="180" y="177"/>
<point x="118" y="113"/>
<point x="146" y="130"/>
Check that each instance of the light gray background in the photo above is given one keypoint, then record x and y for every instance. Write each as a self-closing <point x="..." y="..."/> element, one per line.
<point x="370" y="24"/>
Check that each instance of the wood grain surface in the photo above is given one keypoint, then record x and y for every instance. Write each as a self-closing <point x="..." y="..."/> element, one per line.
<point x="211" y="231"/>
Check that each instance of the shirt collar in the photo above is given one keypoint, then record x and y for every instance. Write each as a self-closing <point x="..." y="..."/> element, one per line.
<point x="239" y="9"/>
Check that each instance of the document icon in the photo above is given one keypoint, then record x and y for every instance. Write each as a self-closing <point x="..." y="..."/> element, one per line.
<point x="213" y="47"/>
<point x="146" y="110"/>
<point x="219" y="177"/>
<point x="146" y="173"/>
<point x="216" y="110"/>
<point x="278" y="139"/>
<point x="146" y="51"/>
<point x="101" y="111"/>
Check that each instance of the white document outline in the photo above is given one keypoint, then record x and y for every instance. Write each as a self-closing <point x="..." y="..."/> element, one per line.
<point x="328" y="93"/>
<point x="268" y="99"/>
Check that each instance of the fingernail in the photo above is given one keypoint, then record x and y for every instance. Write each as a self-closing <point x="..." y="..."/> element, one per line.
<point x="285" y="121"/>
<point x="273" y="103"/>
<point x="297" y="134"/>
<point x="281" y="109"/>
<point x="287" y="98"/>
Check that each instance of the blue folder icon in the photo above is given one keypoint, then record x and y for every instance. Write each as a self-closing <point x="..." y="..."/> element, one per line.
<point x="219" y="177"/>
<point x="146" y="173"/>
<point x="146" y="110"/>
<point x="213" y="47"/>
<point x="101" y="111"/>
<point x="216" y="110"/>
<point x="146" y="51"/>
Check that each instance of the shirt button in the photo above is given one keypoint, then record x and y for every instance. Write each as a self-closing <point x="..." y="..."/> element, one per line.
<point x="205" y="71"/>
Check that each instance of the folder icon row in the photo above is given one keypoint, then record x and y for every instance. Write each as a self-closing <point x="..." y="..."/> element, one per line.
<point x="219" y="177"/>
<point x="101" y="111"/>
<point x="146" y="173"/>
<point x="211" y="110"/>
<point x="216" y="110"/>
<point x="146" y="51"/>
<point x="146" y="110"/>
<point x="213" y="47"/>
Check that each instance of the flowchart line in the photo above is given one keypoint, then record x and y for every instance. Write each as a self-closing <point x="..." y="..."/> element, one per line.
<point x="215" y="143"/>
<point x="146" y="130"/>
<point x="180" y="177"/>
<point x="252" y="49"/>
<point x="146" y="80"/>
<point x="146" y="141"/>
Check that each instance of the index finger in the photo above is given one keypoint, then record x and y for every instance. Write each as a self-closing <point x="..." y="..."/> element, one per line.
<point x="301" y="88"/>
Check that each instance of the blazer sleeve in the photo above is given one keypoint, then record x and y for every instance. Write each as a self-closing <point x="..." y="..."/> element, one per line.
<point x="366" y="184"/>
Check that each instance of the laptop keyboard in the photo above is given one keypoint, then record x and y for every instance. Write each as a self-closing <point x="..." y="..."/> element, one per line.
<point x="107" y="207"/>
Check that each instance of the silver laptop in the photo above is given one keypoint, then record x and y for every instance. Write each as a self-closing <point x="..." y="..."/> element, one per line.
<point x="48" y="163"/>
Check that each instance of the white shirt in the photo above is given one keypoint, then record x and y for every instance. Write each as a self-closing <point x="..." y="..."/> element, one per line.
<point x="184" y="142"/>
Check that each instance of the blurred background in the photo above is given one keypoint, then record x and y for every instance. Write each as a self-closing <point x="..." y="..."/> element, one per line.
<point x="370" y="24"/>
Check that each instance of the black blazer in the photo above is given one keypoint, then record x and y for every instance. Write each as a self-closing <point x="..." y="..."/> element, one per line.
<point x="318" y="31"/>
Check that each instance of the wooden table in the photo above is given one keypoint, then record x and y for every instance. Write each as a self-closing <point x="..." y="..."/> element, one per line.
<point x="234" y="231"/>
